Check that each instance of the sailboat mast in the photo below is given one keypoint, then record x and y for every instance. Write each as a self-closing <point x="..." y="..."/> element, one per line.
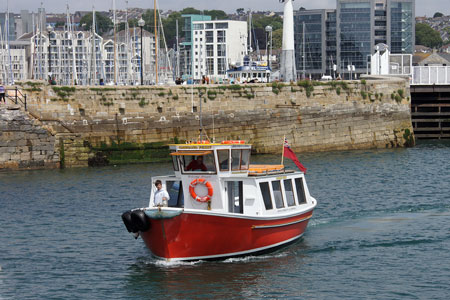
<point x="156" y="44"/>
<point x="303" y="51"/>
<point x="178" y="52"/>
<point x="7" y="43"/>
<point x="114" y="24"/>
<point x="94" y="67"/>
<point x="249" y="32"/>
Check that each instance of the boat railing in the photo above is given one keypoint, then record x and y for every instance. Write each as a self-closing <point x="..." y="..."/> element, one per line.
<point x="262" y="170"/>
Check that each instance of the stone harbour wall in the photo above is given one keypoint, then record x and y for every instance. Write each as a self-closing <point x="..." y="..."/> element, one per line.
<point x="25" y="143"/>
<point x="320" y="117"/>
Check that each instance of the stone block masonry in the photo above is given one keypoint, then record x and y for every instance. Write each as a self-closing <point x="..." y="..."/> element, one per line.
<point x="314" y="117"/>
<point x="25" y="143"/>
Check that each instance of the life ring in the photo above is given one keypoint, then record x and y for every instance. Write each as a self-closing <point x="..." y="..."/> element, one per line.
<point x="233" y="142"/>
<point x="208" y="186"/>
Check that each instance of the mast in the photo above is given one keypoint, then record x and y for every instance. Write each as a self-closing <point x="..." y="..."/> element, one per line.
<point x="114" y="25"/>
<point x="303" y="51"/>
<point x="74" y="66"/>
<point x="127" y="40"/>
<point x="249" y="32"/>
<point x="7" y="43"/>
<point x="178" y="50"/>
<point x="156" y="44"/>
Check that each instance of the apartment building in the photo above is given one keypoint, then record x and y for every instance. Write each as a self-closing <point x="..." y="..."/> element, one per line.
<point x="342" y="41"/>
<point x="216" y="45"/>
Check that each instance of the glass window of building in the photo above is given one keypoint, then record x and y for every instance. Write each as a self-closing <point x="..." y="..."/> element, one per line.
<point x="221" y="25"/>
<point x="402" y="27"/>
<point x="221" y="50"/>
<point x="355" y="34"/>
<point x="221" y="36"/>
<point x="209" y="35"/>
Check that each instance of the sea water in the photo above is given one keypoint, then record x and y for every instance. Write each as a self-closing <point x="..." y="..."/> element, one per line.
<point x="380" y="231"/>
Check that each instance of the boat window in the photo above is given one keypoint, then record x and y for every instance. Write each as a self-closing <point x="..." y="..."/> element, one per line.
<point x="244" y="75"/>
<point x="224" y="159"/>
<point x="300" y="190"/>
<point x="235" y="159"/>
<point x="198" y="163"/>
<point x="175" y="163"/>
<point x="265" y="191"/>
<point x="289" y="191"/>
<point x="245" y="159"/>
<point x="175" y="190"/>
<point x="276" y="186"/>
<point x="235" y="197"/>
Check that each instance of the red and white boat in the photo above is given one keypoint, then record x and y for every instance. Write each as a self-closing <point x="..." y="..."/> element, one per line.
<point x="228" y="209"/>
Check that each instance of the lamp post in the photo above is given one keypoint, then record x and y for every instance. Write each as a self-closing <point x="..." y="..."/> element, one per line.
<point x="269" y="33"/>
<point x="141" y="24"/>
<point x="49" y="30"/>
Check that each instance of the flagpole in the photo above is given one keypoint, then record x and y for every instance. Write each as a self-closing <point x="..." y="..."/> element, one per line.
<point x="282" y="152"/>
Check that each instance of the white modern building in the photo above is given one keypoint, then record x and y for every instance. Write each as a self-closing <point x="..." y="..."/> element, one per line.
<point x="84" y="58"/>
<point x="216" y="45"/>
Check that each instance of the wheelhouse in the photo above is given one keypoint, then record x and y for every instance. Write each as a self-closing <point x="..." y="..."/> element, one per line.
<point x="238" y="187"/>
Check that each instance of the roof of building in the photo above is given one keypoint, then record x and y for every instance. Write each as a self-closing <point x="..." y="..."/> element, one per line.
<point x="435" y="59"/>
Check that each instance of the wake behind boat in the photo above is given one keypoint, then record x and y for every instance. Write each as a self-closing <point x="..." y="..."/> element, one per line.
<point x="220" y="206"/>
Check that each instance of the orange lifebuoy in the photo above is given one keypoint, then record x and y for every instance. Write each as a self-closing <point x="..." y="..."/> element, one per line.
<point x="233" y="142"/>
<point x="208" y="186"/>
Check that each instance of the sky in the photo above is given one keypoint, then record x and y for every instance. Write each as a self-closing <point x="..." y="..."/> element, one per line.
<point x="423" y="7"/>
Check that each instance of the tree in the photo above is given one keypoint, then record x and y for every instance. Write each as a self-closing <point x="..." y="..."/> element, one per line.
<point x="216" y="14"/>
<point x="438" y="15"/>
<point x="190" y="11"/>
<point x="102" y="23"/>
<point x="240" y="11"/>
<point x="427" y="36"/>
<point x="170" y="28"/>
<point x="259" y="28"/>
<point x="277" y="38"/>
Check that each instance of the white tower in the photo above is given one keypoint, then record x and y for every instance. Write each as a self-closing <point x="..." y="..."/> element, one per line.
<point x="287" y="68"/>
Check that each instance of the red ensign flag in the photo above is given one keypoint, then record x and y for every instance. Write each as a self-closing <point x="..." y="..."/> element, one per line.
<point x="291" y="155"/>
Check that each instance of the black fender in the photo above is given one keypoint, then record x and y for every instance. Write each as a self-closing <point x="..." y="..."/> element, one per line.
<point x="129" y="224"/>
<point x="140" y="220"/>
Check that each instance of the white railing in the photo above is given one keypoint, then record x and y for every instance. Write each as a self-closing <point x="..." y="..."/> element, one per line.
<point x="429" y="75"/>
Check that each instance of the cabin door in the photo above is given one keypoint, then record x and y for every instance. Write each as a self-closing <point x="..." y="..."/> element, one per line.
<point x="235" y="197"/>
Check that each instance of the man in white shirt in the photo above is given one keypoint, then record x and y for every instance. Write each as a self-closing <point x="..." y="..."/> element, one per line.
<point x="161" y="195"/>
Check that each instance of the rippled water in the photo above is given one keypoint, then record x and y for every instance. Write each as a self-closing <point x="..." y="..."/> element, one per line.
<point x="380" y="231"/>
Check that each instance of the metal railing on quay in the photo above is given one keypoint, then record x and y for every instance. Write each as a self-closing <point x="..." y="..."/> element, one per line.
<point x="16" y="96"/>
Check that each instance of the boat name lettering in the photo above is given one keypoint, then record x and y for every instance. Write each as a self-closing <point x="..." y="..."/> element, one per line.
<point x="281" y="177"/>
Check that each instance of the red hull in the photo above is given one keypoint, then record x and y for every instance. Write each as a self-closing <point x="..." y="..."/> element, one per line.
<point x="198" y="236"/>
